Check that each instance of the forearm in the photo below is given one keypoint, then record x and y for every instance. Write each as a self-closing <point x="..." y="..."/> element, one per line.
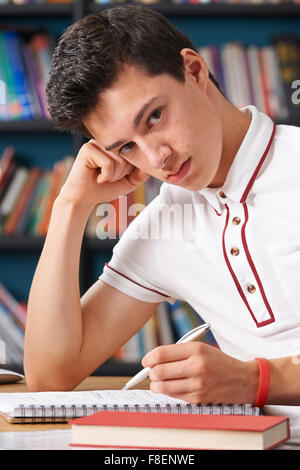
<point x="54" y="321"/>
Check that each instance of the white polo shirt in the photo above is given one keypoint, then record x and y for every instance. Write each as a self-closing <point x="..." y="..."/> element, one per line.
<point x="232" y="253"/>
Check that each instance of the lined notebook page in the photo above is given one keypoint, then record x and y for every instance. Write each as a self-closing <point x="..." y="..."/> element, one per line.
<point x="81" y="403"/>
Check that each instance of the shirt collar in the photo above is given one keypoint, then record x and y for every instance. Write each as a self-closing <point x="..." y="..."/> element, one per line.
<point x="247" y="161"/>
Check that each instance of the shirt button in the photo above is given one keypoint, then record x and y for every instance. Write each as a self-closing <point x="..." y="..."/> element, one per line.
<point x="236" y="220"/>
<point x="222" y="194"/>
<point x="251" y="289"/>
<point x="235" y="251"/>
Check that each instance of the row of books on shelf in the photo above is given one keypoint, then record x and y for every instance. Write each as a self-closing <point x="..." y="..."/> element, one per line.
<point x="264" y="76"/>
<point x="27" y="196"/>
<point x="197" y="2"/>
<point x="267" y="77"/>
<point x="38" y="2"/>
<point x="166" y="326"/>
<point x="147" y="2"/>
<point x="24" y="70"/>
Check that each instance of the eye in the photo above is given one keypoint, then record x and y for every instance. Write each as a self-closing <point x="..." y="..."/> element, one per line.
<point x="126" y="148"/>
<point x="154" y="117"/>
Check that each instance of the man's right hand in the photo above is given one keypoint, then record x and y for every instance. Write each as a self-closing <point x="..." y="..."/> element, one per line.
<point x="100" y="176"/>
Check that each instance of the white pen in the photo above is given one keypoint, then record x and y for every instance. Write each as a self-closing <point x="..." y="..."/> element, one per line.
<point x="190" y="336"/>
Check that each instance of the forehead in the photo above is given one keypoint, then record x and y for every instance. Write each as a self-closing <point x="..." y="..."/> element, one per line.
<point x="128" y="93"/>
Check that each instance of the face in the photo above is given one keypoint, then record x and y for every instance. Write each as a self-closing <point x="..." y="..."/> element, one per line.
<point x="169" y="129"/>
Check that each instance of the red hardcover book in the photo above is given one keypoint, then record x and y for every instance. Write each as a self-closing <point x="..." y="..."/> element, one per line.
<point x="179" y="431"/>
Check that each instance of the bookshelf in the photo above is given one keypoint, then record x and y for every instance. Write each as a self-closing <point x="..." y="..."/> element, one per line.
<point x="38" y="142"/>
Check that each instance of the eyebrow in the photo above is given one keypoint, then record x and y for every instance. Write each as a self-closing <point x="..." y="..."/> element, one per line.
<point x="136" y="122"/>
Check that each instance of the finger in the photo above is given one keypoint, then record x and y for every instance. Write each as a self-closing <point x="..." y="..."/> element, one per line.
<point x="169" y="353"/>
<point x="122" y="169"/>
<point x="137" y="177"/>
<point x="95" y="158"/>
<point x="169" y="371"/>
<point x="112" y="155"/>
<point x="176" y="388"/>
<point x="106" y="169"/>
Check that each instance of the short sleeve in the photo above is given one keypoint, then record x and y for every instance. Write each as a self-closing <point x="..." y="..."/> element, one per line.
<point x="119" y="276"/>
<point x="136" y="267"/>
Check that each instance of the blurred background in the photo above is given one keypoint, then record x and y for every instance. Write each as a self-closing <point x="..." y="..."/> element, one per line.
<point x="252" y="48"/>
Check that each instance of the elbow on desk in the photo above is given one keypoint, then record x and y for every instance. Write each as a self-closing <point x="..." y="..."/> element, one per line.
<point x="38" y="384"/>
<point x="46" y="381"/>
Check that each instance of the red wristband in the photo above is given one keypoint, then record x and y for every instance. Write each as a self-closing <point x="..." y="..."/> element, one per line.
<point x="264" y="382"/>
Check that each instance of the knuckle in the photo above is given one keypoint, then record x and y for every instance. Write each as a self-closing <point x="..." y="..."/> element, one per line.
<point x="158" y="354"/>
<point x="197" y="367"/>
<point x="199" y="347"/>
<point x="157" y="373"/>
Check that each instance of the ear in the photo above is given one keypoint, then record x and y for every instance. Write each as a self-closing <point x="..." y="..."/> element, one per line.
<point x="195" y="68"/>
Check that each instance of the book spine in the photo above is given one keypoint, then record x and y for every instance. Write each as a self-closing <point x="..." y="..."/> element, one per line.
<point x="254" y="66"/>
<point x="287" y="50"/>
<point x="12" y="194"/>
<point x="12" y="333"/>
<point x="18" y="73"/>
<point x="13" y="306"/>
<point x="15" y="216"/>
<point x="34" y="81"/>
<point x="7" y="163"/>
<point x="180" y="320"/>
<point x="275" y="83"/>
<point x="13" y="105"/>
<point x="21" y="227"/>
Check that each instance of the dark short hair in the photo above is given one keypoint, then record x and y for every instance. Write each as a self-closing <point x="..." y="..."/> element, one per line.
<point x="91" y="53"/>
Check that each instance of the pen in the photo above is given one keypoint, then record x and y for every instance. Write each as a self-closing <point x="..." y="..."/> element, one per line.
<point x="190" y="336"/>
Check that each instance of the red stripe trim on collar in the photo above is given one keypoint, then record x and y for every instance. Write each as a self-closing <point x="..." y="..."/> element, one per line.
<point x="250" y="184"/>
<point x="152" y="290"/>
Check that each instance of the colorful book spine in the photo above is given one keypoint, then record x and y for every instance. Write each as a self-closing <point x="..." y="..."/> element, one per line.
<point x="13" y="306"/>
<point x="18" y="73"/>
<point x="15" y="216"/>
<point x="13" y="105"/>
<point x="287" y="51"/>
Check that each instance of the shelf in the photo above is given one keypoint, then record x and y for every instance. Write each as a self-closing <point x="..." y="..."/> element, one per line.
<point x="15" y="242"/>
<point x="97" y="244"/>
<point x="219" y="9"/>
<point x="33" y="9"/>
<point x="30" y="242"/>
<point x="33" y="126"/>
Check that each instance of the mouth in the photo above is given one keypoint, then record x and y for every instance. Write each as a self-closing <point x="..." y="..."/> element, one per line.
<point x="181" y="172"/>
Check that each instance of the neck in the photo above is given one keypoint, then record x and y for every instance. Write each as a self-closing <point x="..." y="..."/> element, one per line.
<point x="235" y="125"/>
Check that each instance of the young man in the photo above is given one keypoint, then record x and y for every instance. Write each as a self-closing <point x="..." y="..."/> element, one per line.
<point x="140" y="91"/>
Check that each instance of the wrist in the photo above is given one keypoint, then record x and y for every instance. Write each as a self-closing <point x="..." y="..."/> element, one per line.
<point x="67" y="219"/>
<point x="65" y="203"/>
<point x="253" y="377"/>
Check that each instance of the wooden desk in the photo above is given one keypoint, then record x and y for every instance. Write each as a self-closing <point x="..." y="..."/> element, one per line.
<point x="91" y="383"/>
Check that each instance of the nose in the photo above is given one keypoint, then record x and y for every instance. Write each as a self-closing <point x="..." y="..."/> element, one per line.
<point x="156" y="154"/>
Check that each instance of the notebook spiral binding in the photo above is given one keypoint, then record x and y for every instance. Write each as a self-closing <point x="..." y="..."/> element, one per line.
<point x="63" y="414"/>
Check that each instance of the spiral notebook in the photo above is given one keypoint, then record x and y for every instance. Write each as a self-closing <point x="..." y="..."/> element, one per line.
<point x="40" y="407"/>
